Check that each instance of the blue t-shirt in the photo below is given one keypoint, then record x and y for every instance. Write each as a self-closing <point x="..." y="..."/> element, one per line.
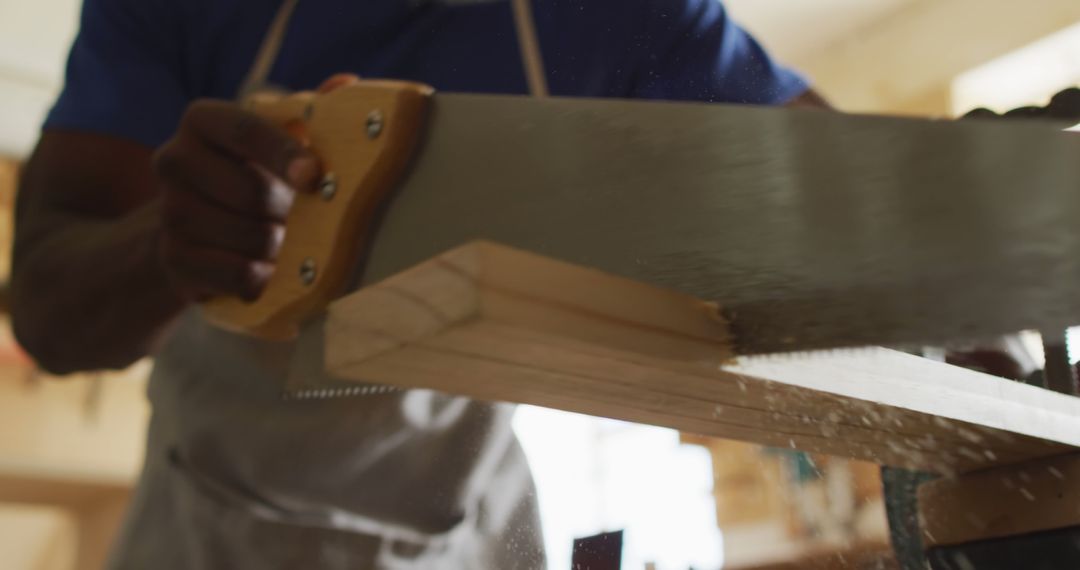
<point x="136" y="64"/>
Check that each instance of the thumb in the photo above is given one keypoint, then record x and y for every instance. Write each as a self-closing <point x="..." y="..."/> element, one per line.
<point x="338" y="80"/>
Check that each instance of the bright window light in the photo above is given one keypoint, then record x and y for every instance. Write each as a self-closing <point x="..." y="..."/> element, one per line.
<point x="1029" y="75"/>
<point x="595" y="475"/>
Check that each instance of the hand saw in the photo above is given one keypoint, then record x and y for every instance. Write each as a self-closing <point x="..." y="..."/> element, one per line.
<point x="810" y="229"/>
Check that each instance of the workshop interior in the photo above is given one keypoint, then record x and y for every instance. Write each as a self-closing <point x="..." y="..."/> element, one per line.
<point x="702" y="334"/>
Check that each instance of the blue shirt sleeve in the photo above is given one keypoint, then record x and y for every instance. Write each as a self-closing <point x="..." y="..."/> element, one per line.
<point x="695" y="51"/>
<point x="125" y="72"/>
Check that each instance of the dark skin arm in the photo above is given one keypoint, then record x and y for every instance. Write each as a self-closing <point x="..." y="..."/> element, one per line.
<point x="85" y="264"/>
<point x="113" y="239"/>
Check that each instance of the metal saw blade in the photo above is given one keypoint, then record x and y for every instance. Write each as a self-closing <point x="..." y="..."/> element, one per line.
<point x="811" y="229"/>
<point x="306" y="378"/>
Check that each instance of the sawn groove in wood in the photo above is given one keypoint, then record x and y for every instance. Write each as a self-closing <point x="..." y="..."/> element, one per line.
<point x="499" y="324"/>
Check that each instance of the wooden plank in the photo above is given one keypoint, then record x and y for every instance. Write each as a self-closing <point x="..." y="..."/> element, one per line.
<point x="499" y="324"/>
<point x="37" y="538"/>
<point x="749" y="484"/>
<point x="98" y="527"/>
<point x="71" y="489"/>
<point x="9" y="180"/>
<point x="877" y="555"/>
<point x="1002" y="502"/>
<point x="97" y="424"/>
<point x="96" y="500"/>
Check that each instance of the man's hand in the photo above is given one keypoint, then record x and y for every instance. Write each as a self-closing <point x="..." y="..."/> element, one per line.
<point x="113" y="240"/>
<point x="228" y="180"/>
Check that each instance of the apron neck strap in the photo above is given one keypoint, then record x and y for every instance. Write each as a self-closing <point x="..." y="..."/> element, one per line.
<point x="531" y="59"/>
<point x="524" y="24"/>
<point x="256" y="79"/>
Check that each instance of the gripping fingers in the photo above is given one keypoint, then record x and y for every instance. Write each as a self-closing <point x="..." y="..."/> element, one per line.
<point x="232" y="184"/>
<point x="192" y="219"/>
<point x="250" y="138"/>
<point x="205" y="272"/>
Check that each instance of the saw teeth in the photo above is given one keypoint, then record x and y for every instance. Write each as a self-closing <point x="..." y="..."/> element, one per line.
<point x="796" y="355"/>
<point x="343" y="392"/>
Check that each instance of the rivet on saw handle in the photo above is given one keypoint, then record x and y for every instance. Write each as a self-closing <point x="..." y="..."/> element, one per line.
<point x="364" y="135"/>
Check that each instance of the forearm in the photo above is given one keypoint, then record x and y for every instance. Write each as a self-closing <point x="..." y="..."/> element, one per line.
<point x="112" y="237"/>
<point x="90" y="293"/>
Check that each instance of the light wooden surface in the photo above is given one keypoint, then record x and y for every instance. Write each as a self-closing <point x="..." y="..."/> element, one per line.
<point x="499" y="324"/>
<point x="772" y="508"/>
<point x="9" y="174"/>
<point x="97" y="527"/>
<point x="331" y="232"/>
<point x="37" y="538"/>
<point x="72" y="445"/>
<point x="750" y="485"/>
<point x="98" y="425"/>
<point x="865" y="556"/>
<point x="1006" y="501"/>
<point x="95" y="501"/>
<point x="71" y="489"/>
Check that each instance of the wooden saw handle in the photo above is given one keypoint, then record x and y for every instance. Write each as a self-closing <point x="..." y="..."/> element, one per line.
<point x="364" y="135"/>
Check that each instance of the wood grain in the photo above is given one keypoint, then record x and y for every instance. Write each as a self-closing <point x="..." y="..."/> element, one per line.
<point x="500" y="324"/>
<point x="876" y="555"/>
<point x="331" y="232"/>
<point x="1006" y="501"/>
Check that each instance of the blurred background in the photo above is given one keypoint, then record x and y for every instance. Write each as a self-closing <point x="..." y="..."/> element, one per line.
<point x="70" y="450"/>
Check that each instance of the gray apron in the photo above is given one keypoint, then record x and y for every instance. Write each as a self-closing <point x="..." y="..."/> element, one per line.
<point x="237" y="478"/>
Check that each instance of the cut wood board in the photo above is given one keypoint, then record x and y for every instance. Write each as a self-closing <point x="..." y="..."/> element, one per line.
<point x="500" y="324"/>
<point x="1002" y="502"/>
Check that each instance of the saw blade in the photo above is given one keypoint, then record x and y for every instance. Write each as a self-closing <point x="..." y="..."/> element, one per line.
<point x="811" y="229"/>
<point x="306" y="378"/>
